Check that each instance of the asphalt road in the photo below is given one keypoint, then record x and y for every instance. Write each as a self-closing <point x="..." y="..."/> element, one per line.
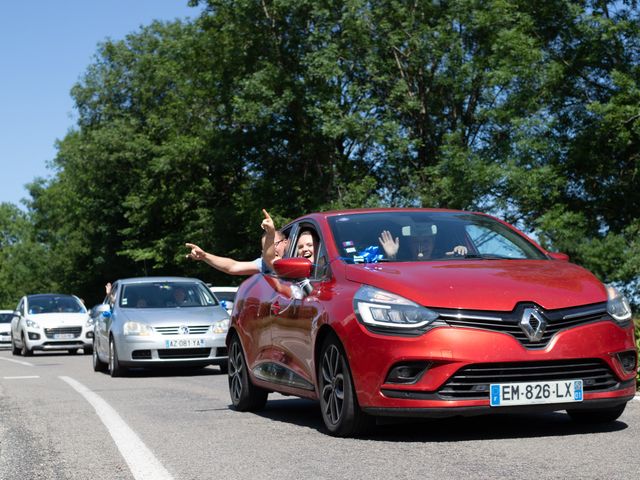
<point x="61" y="420"/>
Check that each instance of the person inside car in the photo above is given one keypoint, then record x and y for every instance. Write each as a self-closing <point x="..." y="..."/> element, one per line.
<point x="307" y="244"/>
<point x="422" y="240"/>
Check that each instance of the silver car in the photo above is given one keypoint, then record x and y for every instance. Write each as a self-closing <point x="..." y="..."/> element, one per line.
<point x="153" y="321"/>
<point x="50" y="321"/>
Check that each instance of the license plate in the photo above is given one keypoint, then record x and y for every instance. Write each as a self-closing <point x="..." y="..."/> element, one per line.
<point x="531" y="393"/>
<point x="63" y="336"/>
<point x="184" y="343"/>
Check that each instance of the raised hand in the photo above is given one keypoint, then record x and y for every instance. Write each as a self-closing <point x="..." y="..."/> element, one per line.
<point x="196" y="252"/>
<point x="267" y="224"/>
<point x="389" y="245"/>
<point x="458" y="250"/>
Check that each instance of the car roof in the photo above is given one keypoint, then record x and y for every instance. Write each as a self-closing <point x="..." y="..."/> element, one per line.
<point x="335" y="213"/>
<point x="6" y="311"/>
<point x="39" y="295"/>
<point x="224" y="289"/>
<point x="126" y="281"/>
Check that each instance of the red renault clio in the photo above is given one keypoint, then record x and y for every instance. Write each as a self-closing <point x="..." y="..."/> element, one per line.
<point x="436" y="313"/>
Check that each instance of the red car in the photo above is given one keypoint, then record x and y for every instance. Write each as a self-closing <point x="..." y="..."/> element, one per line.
<point x="436" y="313"/>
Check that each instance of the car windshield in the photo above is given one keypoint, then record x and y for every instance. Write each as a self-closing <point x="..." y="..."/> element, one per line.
<point x="422" y="236"/>
<point x="54" y="304"/>
<point x="166" y="295"/>
<point x="5" y="317"/>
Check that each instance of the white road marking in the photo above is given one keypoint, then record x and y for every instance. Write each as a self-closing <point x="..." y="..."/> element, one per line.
<point x="17" y="361"/>
<point x="142" y="463"/>
<point x="21" y="377"/>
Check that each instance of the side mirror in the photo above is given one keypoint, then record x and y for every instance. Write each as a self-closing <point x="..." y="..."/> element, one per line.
<point x="559" y="256"/>
<point x="103" y="309"/>
<point x="293" y="268"/>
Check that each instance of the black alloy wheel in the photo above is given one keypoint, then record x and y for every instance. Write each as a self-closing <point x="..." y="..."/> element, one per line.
<point x="340" y="410"/>
<point x="245" y="396"/>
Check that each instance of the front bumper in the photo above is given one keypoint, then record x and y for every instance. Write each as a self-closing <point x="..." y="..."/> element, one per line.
<point x="448" y="358"/>
<point x="141" y="351"/>
<point x="65" y="338"/>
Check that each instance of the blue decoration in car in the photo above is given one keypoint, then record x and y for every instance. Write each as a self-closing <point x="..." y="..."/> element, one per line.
<point x="370" y="254"/>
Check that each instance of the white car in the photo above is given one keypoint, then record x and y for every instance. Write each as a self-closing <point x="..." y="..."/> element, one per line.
<point x="5" y="327"/>
<point x="226" y="296"/>
<point x="51" y="321"/>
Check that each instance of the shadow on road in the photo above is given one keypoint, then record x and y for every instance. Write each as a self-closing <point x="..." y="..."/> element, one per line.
<point x="306" y="413"/>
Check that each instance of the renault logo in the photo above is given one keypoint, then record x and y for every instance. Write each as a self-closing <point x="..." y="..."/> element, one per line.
<point x="533" y="324"/>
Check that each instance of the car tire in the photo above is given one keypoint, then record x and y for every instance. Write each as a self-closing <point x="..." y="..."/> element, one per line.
<point x="341" y="413"/>
<point x="72" y="351"/>
<point x="87" y="350"/>
<point x="14" y="350"/>
<point x="98" y="365"/>
<point x="224" y="367"/>
<point x="245" y="396"/>
<point x="25" y="351"/>
<point x="115" y="370"/>
<point x="597" y="415"/>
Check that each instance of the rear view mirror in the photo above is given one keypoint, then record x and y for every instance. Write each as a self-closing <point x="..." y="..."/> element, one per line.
<point x="559" y="256"/>
<point x="293" y="268"/>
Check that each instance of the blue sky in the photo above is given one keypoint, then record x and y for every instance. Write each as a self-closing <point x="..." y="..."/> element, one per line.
<point x="45" y="47"/>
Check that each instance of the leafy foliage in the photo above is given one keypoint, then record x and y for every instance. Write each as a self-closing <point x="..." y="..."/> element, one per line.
<point x="186" y="130"/>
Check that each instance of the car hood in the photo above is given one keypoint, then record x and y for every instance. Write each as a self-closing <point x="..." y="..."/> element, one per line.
<point x="175" y="316"/>
<point x="484" y="284"/>
<point x="59" y="319"/>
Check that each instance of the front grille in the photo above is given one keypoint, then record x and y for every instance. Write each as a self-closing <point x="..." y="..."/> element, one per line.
<point x="472" y="382"/>
<point x="175" y="330"/>
<point x="177" y="353"/>
<point x="509" y="322"/>
<point x="51" y="332"/>
<point x="141" y="355"/>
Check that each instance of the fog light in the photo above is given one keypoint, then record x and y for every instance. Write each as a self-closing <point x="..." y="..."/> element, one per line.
<point x="407" y="372"/>
<point x="628" y="361"/>
<point x="34" y="336"/>
<point x="89" y="334"/>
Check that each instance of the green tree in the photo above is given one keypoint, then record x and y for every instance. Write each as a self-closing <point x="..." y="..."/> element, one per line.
<point x="186" y="130"/>
<point x="23" y="260"/>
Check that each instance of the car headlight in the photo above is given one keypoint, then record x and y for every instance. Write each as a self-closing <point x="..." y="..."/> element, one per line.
<point x="221" y="326"/>
<point x="137" y="328"/>
<point x="31" y="324"/>
<point x="89" y="322"/>
<point x="617" y="305"/>
<point x="384" y="309"/>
